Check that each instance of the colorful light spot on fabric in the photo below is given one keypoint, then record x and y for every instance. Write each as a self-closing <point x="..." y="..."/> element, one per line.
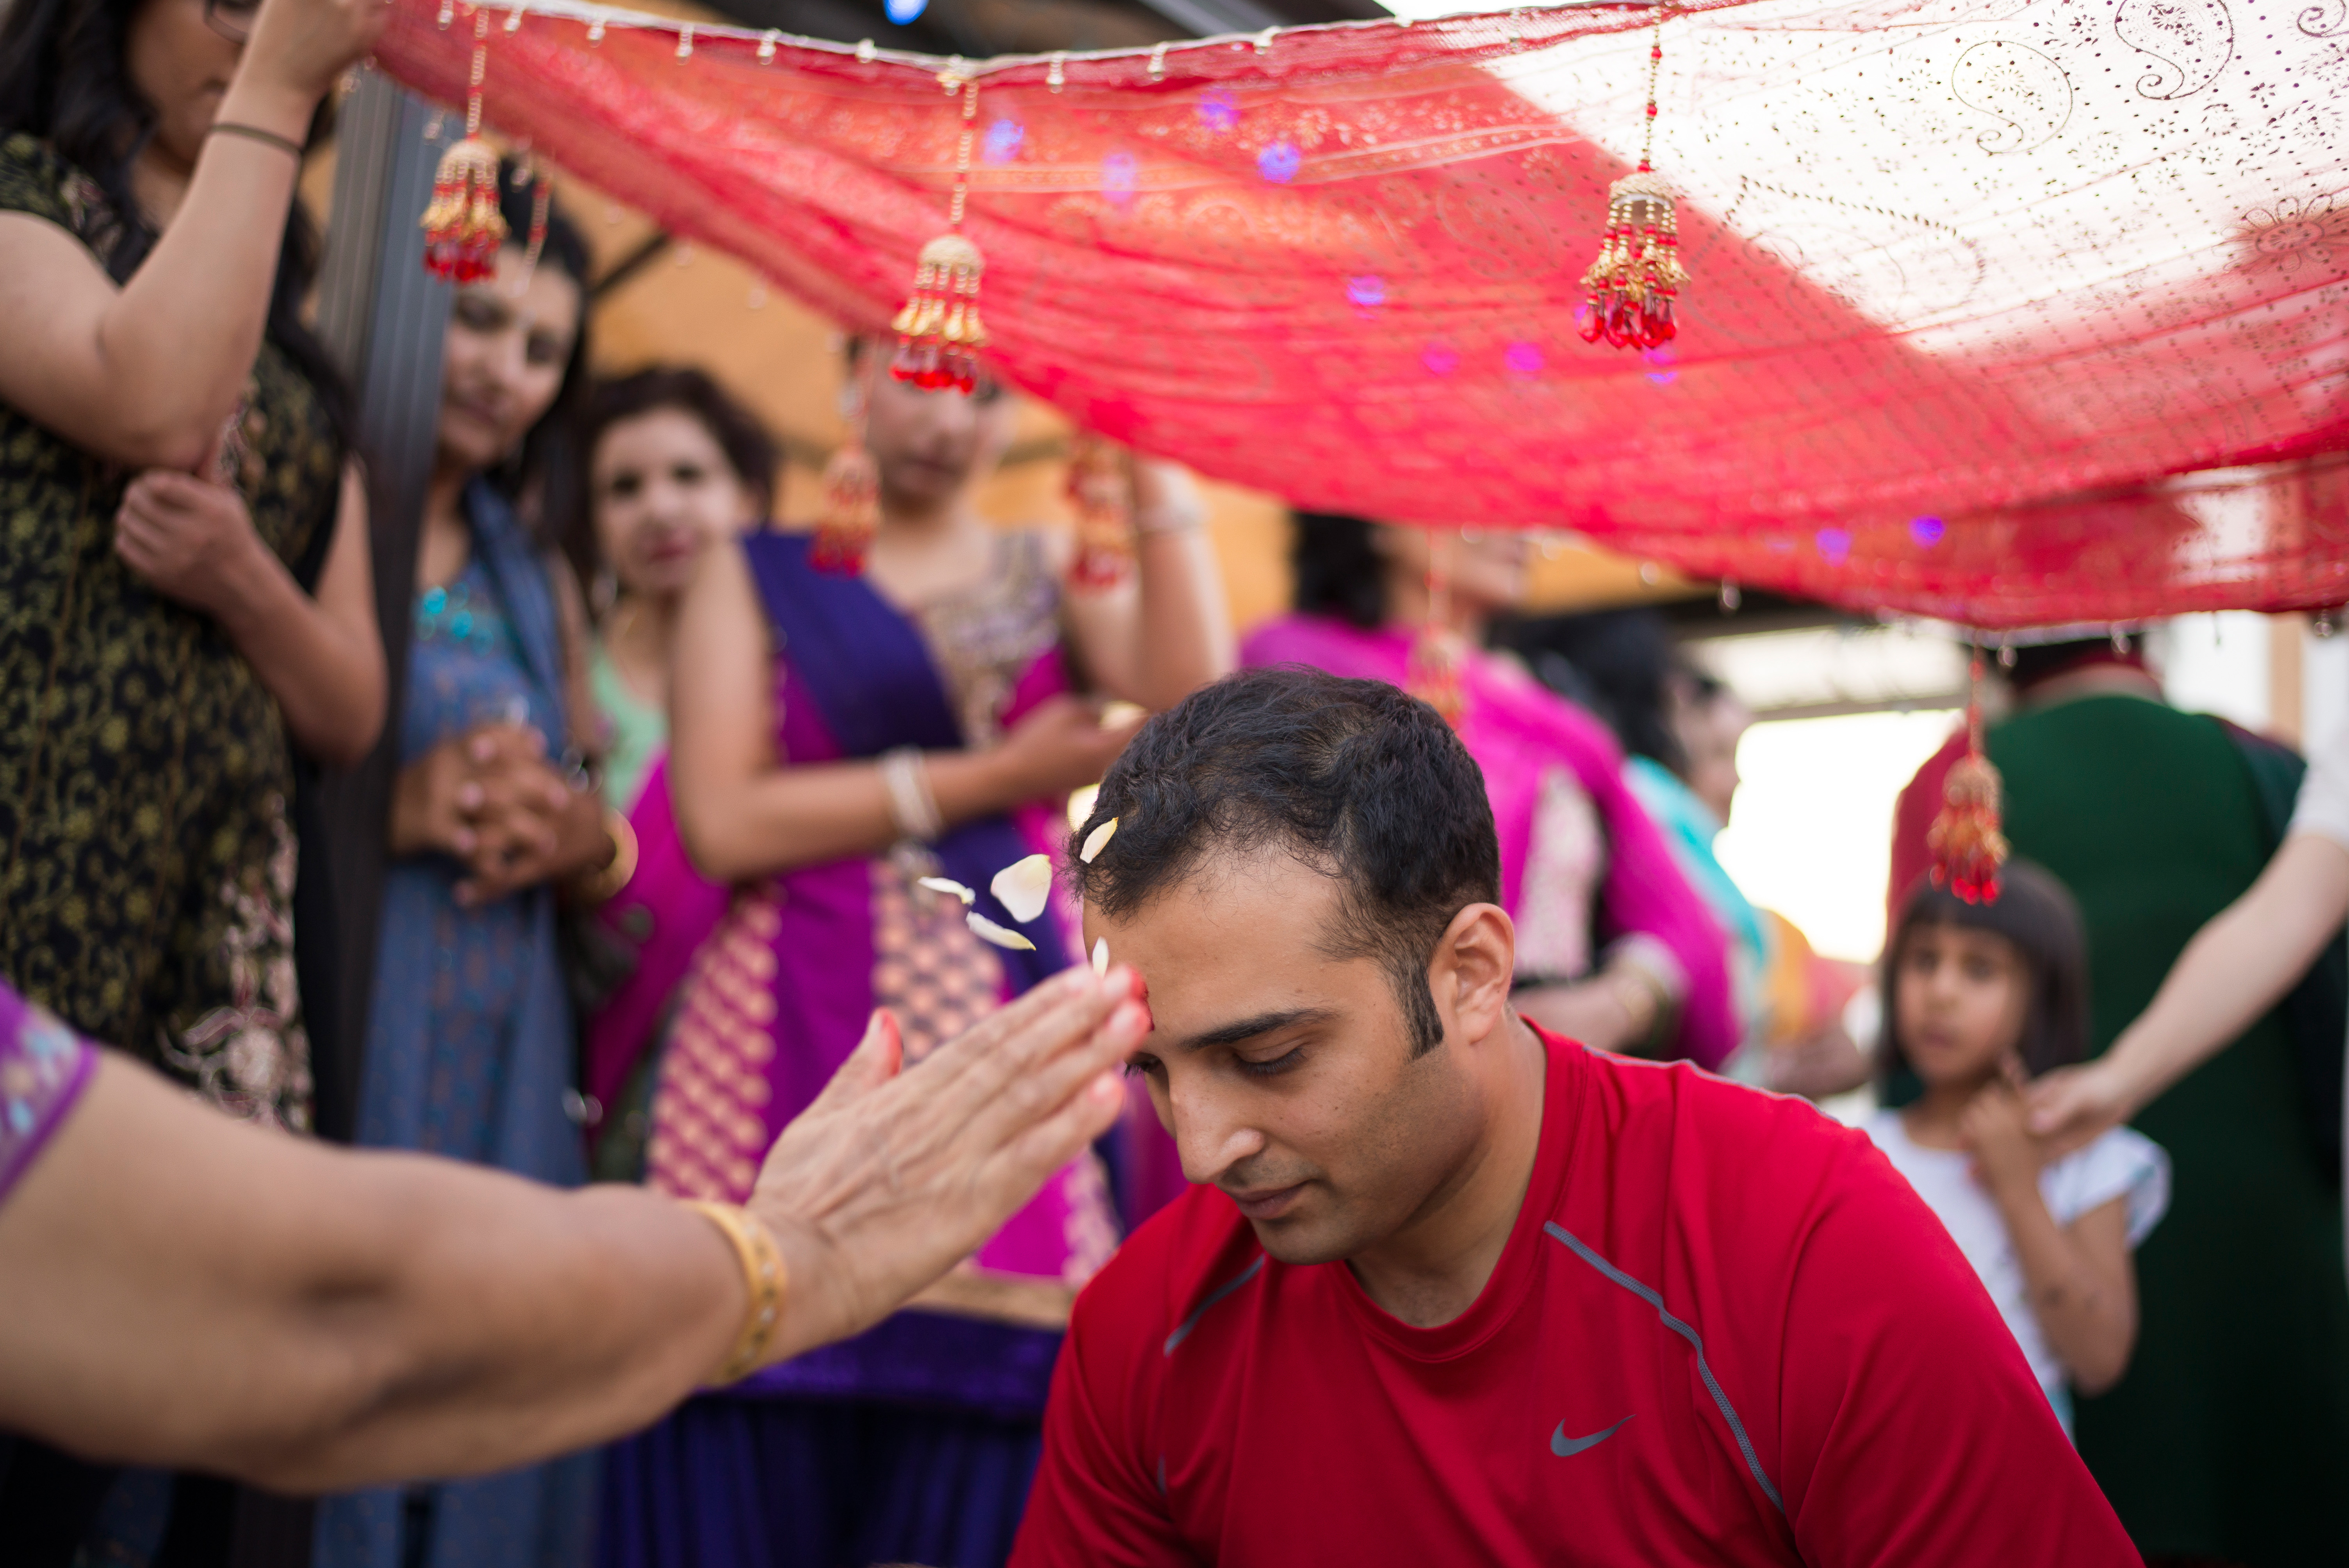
<point x="1369" y="291"/>
<point x="903" y="11"/>
<point x="1440" y="358"/>
<point x="1119" y="172"/>
<point x="1003" y="139"/>
<point x="1926" y="531"/>
<point x="1279" y="163"/>
<point x="1524" y="360"/>
<point x="1835" y="545"/>
<point x="1219" y="111"/>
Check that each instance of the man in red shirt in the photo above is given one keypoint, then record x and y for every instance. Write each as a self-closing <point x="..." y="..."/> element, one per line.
<point x="1455" y="1290"/>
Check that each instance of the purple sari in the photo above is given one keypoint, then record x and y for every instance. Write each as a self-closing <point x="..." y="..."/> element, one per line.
<point x="941" y="1409"/>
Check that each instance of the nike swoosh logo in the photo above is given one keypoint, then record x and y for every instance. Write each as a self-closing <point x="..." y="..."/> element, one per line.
<point x="1566" y="1448"/>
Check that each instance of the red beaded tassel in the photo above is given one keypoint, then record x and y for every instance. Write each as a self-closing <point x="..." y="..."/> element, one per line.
<point x="1100" y="491"/>
<point x="1433" y="671"/>
<point x="939" y="333"/>
<point x="462" y="227"/>
<point x="1965" y="841"/>
<point x="1638" y="277"/>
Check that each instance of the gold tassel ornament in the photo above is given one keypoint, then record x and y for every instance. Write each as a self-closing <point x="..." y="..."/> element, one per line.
<point x="462" y="227"/>
<point x="852" y="491"/>
<point x="1100" y="491"/>
<point x="1431" y="672"/>
<point x="1634" y="284"/>
<point x="939" y="333"/>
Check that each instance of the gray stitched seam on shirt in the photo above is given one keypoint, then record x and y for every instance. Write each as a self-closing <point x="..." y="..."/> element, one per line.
<point x="1704" y="1370"/>
<point x="1220" y="1292"/>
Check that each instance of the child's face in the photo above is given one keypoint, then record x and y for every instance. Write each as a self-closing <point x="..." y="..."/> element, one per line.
<point x="1960" y="996"/>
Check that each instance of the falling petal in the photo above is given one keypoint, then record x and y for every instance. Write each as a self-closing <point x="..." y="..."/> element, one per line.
<point x="1101" y="955"/>
<point x="1095" y="840"/>
<point x="1023" y="886"/>
<point x="1002" y="936"/>
<point x="1117" y="714"/>
<point x="949" y="886"/>
<point x="1080" y="804"/>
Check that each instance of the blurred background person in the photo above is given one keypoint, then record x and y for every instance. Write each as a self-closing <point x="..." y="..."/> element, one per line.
<point x="2280" y="936"/>
<point x="1613" y="947"/>
<point x="837" y="738"/>
<point x="674" y="466"/>
<point x="471" y="1047"/>
<point x="2223" y="1440"/>
<point x="185" y="603"/>
<point x="1680" y="729"/>
<point x="1981" y="999"/>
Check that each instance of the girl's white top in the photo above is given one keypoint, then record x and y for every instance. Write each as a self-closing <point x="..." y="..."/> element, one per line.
<point x="2120" y="1165"/>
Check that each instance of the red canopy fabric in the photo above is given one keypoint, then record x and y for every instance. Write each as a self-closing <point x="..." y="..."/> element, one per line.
<point x="1982" y="289"/>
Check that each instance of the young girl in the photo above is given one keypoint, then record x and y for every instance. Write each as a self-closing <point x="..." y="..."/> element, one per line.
<point x="1984" y="997"/>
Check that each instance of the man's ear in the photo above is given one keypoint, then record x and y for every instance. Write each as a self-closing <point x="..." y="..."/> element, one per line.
<point x="1475" y="965"/>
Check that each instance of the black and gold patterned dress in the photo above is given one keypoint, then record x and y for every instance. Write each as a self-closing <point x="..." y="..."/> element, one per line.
<point x="147" y="858"/>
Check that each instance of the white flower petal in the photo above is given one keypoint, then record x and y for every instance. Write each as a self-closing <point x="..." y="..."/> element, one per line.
<point x="1096" y="839"/>
<point x="1002" y="936"/>
<point x="949" y="886"/>
<point x="1101" y="955"/>
<point x="1117" y="714"/>
<point x="1024" y="886"/>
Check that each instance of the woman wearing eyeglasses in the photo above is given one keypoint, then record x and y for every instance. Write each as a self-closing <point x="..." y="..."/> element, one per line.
<point x="184" y="594"/>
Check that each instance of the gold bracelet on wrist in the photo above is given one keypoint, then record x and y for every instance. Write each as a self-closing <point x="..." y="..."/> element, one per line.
<point x="762" y="1272"/>
<point x="599" y="885"/>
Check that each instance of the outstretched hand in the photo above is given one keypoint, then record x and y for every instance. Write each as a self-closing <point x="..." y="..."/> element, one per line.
<point x="890" y="1177"/>
<point x="2072" y="1107"/>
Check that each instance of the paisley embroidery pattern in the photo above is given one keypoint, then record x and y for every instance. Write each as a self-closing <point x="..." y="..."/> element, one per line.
<point x="2192" y="39"/>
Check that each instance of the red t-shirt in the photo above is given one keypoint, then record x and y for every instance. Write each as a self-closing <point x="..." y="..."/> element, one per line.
<point x="1724" y="1331"/>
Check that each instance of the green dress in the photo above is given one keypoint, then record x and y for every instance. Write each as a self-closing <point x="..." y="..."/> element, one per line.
<point x="147" y="860"/>
<point x="2229" y="1437"/>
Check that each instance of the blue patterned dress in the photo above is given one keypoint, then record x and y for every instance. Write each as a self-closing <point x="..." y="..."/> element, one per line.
<point x="469" y="1048"/>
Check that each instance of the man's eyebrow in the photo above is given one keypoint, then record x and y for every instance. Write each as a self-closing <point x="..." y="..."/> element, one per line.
<point x="1240" y="1029"/>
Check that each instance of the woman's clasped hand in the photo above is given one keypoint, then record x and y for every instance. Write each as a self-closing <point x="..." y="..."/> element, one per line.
<point x="491" y="799"/>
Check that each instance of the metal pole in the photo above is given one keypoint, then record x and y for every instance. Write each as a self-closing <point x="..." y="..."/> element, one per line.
<point x="383" y="317"/>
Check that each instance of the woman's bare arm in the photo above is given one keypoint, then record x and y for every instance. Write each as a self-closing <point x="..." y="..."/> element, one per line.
<point x="2237" y="967"/>
<point x="146" y="375"/>
<point x="180" y="1289"/>
<point x="746" y="813"/>
<point x="1161" y="636"/>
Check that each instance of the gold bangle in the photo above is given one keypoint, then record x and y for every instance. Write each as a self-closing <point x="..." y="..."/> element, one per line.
<point x="762" y="1272"/>
<point x="598" y="886"/>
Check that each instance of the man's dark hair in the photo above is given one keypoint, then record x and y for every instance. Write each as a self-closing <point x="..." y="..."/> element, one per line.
<point x="1364" y="784"/>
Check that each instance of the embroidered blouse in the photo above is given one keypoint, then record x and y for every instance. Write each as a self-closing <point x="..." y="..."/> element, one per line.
<point x="43" y="1067"/>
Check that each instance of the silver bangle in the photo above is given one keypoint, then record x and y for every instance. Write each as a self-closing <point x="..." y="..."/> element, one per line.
<point x="905" y="784"/>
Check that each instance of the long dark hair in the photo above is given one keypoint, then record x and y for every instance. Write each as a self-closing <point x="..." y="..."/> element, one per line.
<point x="746" y="443"/>
<point x="1621" y="664"/>
<point x="64" y="79"/>
<point x="1340" y="572"/>
<point x="543" y="471"/>
<point x="2037" y="915"/>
